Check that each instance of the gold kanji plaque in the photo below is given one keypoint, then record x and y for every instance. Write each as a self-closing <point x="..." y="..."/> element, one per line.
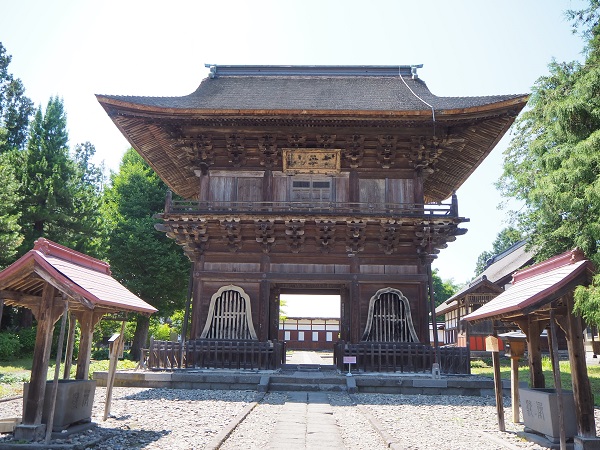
<point x="311" y="160"/>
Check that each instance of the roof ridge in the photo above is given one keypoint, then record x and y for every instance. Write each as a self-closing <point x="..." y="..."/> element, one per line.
<point x="312" y="70"/>
<point x="50" y="248"/>
<point x="564" y="259"/>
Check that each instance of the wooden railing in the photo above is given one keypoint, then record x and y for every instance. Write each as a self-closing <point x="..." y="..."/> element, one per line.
<point x="215" y="354"/>
<point x="333" y="208"/>
<point x="402" y="357"/>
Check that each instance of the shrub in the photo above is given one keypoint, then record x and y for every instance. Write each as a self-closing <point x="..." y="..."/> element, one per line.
<point x="27" y="340"/>
<point x="9" y="346"/>
<point x="100" y="353"/>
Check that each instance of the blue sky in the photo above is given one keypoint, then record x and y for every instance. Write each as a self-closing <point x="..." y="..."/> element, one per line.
<point x="77" y="48"/>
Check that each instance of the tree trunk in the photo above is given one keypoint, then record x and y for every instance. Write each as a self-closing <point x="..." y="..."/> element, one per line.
<point x="140" y="337"/>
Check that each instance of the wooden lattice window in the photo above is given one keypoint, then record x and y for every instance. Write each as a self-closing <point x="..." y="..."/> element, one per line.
<point x="229" y="315"/>
<point x="389" y="318"/>
<point x="311" y="189"/>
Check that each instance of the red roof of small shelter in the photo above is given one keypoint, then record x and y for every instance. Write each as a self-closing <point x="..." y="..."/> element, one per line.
<point x="537" y="286"/>
<point x="81" y="277"/>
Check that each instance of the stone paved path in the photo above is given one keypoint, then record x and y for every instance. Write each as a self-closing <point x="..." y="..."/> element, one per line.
<point x="306" y="422"/>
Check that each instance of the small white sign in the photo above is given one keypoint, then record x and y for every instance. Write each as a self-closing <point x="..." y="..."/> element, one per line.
<point x="349" y="359"/>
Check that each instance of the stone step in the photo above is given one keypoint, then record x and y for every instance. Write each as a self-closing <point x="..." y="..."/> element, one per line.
<point x="299" y="379"/>
<point x="310" y="387"/>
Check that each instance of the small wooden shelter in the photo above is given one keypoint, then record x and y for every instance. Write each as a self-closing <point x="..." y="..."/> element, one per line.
<point x="52" y="280"/>
<point x="481" y="290"/>
<point x="313" y="179"/>
<point x="541" y="296"/>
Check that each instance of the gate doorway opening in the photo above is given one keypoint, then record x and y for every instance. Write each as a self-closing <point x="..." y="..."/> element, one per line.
<point x="310" y="326"/>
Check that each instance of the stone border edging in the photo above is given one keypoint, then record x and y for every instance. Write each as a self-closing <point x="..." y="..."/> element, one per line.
<point x="387" y="438"/>
<point x="220" y="438"/>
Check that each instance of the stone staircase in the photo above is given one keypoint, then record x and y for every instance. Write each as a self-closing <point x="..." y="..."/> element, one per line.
<point x="307" y="377"/>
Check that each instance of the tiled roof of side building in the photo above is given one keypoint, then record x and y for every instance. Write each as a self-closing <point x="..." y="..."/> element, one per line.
<point x="353" y="89"/>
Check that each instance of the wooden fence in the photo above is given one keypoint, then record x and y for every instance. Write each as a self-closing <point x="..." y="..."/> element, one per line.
<point x="402" y="357"/>
<point x="215" y="354"/>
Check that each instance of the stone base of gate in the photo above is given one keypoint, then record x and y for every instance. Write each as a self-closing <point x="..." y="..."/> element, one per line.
<point x="263" y="381"/>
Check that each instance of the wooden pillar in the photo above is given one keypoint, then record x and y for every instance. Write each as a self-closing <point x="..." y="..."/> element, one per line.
<point x="355" y="328"/>
<point x="268" y="319"/>
<point x="197" y="322"/>
<point x="274" y="299"/>
<point x="582" y="391"/>
<point x="553" y="347"/>
<point x="87" y="320"/>
<point x="345" y="313"/>
<point x="517" y="350"/>
<point x="353" y="187"/>
<point x="46" y="316"/>
<point x="267" y="186"/>
<point x="492" y="345"/>
<point x="432" y="309"/>
<point x="70" y="346"/>
<point x="536" y="375"/>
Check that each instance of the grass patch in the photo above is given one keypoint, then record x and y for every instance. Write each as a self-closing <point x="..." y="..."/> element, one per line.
<point x="13" y="374"/>
<point x="484" y="367"/>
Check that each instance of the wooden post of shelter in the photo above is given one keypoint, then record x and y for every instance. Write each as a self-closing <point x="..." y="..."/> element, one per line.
<point x="87" y="320"/>
<point x="515" y="352"/>
<point x="54" y="391"/>
<point x="582" y="390"/>
<point x="70" y="347"/>
<point x="46" y="314"/>
<point x="533" y="331"/>
<point x="553" y="346"/>
<point x="491" y="345"/>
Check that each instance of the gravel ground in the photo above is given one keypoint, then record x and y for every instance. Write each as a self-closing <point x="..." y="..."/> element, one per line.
<point x="445" y="422"/>
<point x="155" y="418"/>
<point x="190" y="419"/>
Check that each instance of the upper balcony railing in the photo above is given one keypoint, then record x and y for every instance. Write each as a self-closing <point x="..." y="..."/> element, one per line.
<point x="312" y="208"/>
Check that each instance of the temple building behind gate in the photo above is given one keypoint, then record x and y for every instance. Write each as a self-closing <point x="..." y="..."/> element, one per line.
<point x="313" y="180"/>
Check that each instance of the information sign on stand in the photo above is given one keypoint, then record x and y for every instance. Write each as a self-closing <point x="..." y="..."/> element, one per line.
<point x="349" y="360"/>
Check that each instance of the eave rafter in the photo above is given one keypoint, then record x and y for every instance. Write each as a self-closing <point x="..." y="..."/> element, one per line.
<point x="196" y="140"/>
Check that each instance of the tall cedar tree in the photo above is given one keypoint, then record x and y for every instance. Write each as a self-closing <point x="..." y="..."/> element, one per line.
<point x="147" y="262"/>
<point x="10" y="231"/>
<point x="15" y="111"/>
<point x="57" y="202"/>
<point x="553" y="162"/>
<point x="15" y="108"/>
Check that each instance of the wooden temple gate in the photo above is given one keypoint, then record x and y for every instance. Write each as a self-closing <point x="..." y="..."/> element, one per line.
<point x="320" y="179"/>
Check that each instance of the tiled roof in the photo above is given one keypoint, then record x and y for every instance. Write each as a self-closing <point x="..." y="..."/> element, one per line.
<point x="535" y="286"/>
<point x="314" y="91"/>
<point x="83" y="275"/>
<point x="508" y="262"/>
<point x="476" y="284"/>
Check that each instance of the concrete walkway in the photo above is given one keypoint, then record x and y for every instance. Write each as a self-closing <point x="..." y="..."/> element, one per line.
<point x="306" y="422"/>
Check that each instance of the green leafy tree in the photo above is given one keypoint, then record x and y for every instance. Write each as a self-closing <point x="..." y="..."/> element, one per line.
<point x="552" y="165"/>
<point x="504" y="240"/>
<point x="57" y="201"/>
<point x="442" y="289"/>
<point x="143" y="259"/>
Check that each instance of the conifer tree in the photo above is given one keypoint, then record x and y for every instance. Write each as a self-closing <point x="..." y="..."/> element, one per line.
<point x="553" y="162"/>
<point x="56" y="202"/>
